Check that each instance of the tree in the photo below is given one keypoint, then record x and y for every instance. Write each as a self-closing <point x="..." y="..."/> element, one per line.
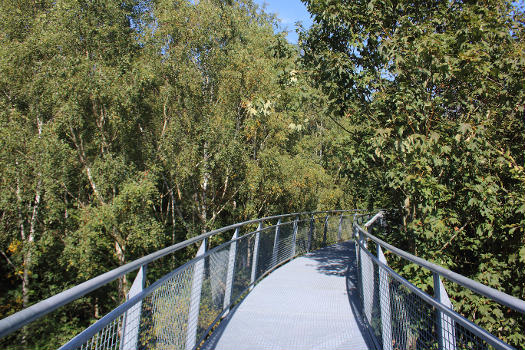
<point x="224" y="85"/>
<point x="431" y="94"/>
<point x="130" y="125"/>
<point x="71" y="112"/>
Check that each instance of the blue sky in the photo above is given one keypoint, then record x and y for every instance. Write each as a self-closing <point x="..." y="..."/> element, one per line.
<point x="289" y="11"/>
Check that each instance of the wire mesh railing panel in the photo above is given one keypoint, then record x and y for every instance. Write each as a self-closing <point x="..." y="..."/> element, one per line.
<point x="157" y="321"/>
<point x="332" y="230"/>
<point x="165" y="313"/>
<point x="243" y="265"/>
<point x="463" y="338"/>
<point x="285" y="243"/>
<point x="318" y="233"/>
<point x="265" y="251"/>
<point x="213" y="288"/>
<point x="346" y="228"/>
<point x="370" y="292"/>
<point x="106" y="339"/>
<point x="301" y="240"/>
<point x="413" y="320"/>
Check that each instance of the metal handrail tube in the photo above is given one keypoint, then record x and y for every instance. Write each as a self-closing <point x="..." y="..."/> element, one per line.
<point x="472" y="327"/>
<point x="494" y="294"/>
<point x="44" y="307"/>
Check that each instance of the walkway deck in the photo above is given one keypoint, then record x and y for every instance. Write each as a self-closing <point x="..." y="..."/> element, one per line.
<point x="308" y="303"/>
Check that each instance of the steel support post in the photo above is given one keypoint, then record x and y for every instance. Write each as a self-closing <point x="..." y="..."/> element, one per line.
<point x="356" y="243"/>
<point x="446" y="329"/>
<point x="195" y="301"/>
<point x="310" y="234"/>
<point x="355" y="235"/>
<point x="294" y="235"/>
<point x="367" y="281"/>
<point x="131" y="328"/>
<point x="384" y="302"/>
<point x="275" y="252"/>
<point x="231" y="271"/>
<point x="255" y="260"/>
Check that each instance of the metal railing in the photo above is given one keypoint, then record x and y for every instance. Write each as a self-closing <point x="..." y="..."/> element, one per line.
<point x="180" y="309"/>
<point x="401" y="316"/>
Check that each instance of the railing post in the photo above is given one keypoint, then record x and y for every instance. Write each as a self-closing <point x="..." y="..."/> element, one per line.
<point x="384" y="302"/>
<point x="255" y="260"/>
<point x="446" y="330"/>
<point x="195" y="300"/>
<point x="275" y="253"/>
<point x="310" y="234"/>
<point x="294" y="237"/>
<point x="340" y="229"/>
<point x="325" y="230"/>
<point x="356" y="239"/>
<point x="363" y="240"/>
<point x="130" y="331"/>
<point x="367" y="279"/>
<point x="231" y="270"/>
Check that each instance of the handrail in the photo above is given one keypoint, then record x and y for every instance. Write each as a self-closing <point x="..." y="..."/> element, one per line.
<point x="496" y="295"/>
<point x="467" y="324"/>
<point x="44" y="307"/>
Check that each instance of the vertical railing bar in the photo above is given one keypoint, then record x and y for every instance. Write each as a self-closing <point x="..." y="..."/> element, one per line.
<point x="94" y="342"/>
<point x="107" y="338"/>
<point x="108" y="343"/>
<point x="356" y="239"/>
<point x="231" y="270"/>
<point x="114" y="333"/>
<point x="129" y="321"/>
<point x="255" y="260"/>
<point x="276" y="242"/>
<point x="118" y="325"/>
<point x="294" y="237"/>
<point x="384" y="302"/>
<point x="437" y="296"/>
<point x="89" y="343"/>
<point x="310" y="234"/>
<point x="111" y="338"/>
<point x="103" y="336"/>
<point x="367" y="276"/>
<point x="444" y="324"/>
<point x="195" y="298"/>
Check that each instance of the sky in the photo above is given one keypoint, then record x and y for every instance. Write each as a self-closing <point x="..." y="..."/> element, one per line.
<point x="289" y="12"/>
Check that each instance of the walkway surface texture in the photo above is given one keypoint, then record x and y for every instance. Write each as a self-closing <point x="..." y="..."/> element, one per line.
<point x="308" y="303"/>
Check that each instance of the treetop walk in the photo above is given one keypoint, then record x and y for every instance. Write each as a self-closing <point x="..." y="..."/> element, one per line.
<point x="318" y="280"/>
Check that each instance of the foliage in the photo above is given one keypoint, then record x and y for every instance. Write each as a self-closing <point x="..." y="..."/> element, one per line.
<point x="126" y="126"/>
<point x="431" y="95"/>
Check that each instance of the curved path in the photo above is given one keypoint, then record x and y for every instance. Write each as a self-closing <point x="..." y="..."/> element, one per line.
<point x="308" y="303"/>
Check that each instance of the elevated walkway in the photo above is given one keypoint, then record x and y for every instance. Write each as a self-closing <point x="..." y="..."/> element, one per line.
<point x="308" y="303"/>
<point x="279" y="282"/>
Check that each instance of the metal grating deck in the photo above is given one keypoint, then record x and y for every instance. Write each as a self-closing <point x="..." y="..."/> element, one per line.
<point x="308" y="303"/>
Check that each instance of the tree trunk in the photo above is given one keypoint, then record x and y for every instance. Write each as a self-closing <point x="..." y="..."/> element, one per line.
<point x="122" y="281"/>
<point x="204" y="190"/>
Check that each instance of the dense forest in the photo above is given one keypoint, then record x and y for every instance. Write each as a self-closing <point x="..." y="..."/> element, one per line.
<point x="127" y="126"/>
